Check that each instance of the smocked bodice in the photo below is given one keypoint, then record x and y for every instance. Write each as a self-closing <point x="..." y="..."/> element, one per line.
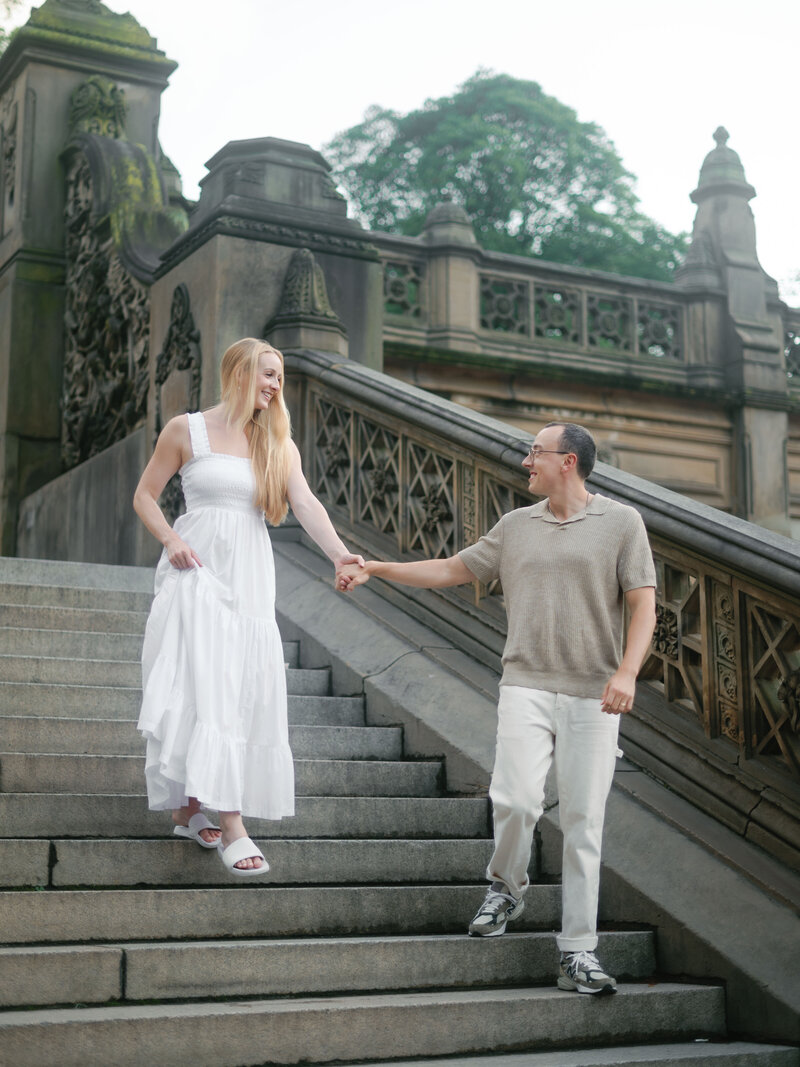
<point x="215" y="479"/>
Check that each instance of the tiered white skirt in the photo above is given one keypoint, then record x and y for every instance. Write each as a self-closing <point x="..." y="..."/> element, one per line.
<point x="213" y="675"/>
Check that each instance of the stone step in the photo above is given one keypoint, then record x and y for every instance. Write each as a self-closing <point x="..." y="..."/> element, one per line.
<point x="46" y="815"/>
<point x="89" y="645"/>
<point x="64" y="573"/>
<point x="40" y="975"/>
<point x="124" y="673"/>
<point x="253" y="910"/>
<point x="58" y="596"/>
<point x="326" y="1029"/>
<point x="106" y="702"/>
<point x="41" y="773"/>
<point x="119" y="737"/>
<point x="177" y="862"/>
<point x="701" y="1053"/>
<point x="44" y="617"/>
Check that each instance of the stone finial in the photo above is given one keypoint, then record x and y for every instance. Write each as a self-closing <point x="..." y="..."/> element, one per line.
<point x="448" y="223"/>
<point x="305" y="317"/>
<point x="722" y="172"/>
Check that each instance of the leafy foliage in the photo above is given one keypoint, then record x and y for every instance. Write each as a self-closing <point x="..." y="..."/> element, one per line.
<point x="533" y="179"/>
<point x="7" y="9"/>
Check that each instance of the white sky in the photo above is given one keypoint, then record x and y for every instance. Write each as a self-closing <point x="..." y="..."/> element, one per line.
<point x="658" y="77"/>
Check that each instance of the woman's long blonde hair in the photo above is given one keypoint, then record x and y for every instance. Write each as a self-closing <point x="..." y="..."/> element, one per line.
<point x="269" y="432"/>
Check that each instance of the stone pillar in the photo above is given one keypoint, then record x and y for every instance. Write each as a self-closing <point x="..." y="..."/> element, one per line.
<point x="262" y="201"/>
<point x="453" y="286"/>
<point x="63" y="45"/>
<point x="722" y="268"/>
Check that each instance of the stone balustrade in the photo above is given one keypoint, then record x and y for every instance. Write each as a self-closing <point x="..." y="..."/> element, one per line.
<point x="409" y="475"/>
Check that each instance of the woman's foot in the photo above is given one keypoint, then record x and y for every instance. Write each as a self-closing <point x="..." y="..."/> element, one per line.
<point x="232" y="830"/>
<point x="181" y="816"/>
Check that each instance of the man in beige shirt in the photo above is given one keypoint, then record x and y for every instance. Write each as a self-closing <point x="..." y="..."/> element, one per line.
<point x="568" y="565"/>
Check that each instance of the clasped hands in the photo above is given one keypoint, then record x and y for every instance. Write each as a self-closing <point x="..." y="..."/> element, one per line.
<point x="350" y="574"/>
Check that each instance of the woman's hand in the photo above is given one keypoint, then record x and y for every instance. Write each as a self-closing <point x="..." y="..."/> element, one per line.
<point x="351" y="575"/>
<point x="180" y="555"/>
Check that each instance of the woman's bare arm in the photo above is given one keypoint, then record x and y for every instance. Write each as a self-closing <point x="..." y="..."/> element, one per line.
<point x="313" y="517"/>
<point x="172" y="450"/>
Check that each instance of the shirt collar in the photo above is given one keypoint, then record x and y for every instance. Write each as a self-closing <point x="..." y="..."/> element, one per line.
<point x="597" y="505"/>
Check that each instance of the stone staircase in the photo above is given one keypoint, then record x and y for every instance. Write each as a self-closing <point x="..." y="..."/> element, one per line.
<point x="124" y="945"/>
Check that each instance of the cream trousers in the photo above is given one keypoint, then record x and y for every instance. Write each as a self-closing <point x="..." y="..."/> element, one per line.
<point x="534" y="727"/>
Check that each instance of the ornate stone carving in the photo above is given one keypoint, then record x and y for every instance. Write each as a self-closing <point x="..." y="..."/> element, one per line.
<point x="402" y="284"/>
<point x="98" y="106"/>
<point x="181" y="353"/>
<point x="665" y="638"/>
<point x="8" y="139"/>
<point x="557" y="314"/>
<point x="609" y="321"/>
<point x="504" y="304"/>
<point x="658" y="328"/>
<point x="105" y="382"/>
<point x="383" y="480"/>
<point x="337" y="456"/>
<point x="178" y="369"/>
<point x="304" y="291"/>
<point x="789" y="696"/>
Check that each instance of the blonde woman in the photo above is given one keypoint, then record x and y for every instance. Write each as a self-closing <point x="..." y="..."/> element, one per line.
<point x="214" y="691"/>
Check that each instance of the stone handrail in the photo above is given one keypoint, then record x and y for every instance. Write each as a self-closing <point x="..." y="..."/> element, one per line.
<point x="407" y="475"/>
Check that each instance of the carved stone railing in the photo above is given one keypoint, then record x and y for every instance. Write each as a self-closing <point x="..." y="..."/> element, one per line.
<point x="532" y="306"/>
<point x="791" y="329"/>
<point x="408" y="475"/>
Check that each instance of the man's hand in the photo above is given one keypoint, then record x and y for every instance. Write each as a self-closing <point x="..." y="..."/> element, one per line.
<point x="617" y="696"/>
<point x="351" y="575"/>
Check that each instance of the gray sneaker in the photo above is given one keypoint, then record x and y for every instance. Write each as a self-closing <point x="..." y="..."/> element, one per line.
<point x="581" y="972"/>
<point x="497" y="909"/>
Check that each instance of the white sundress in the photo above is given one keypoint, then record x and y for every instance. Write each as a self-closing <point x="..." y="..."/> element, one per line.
<point x="213" y="676"/>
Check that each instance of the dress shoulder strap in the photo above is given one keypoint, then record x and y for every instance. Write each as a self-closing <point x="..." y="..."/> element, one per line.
<point x="198" y="434"/>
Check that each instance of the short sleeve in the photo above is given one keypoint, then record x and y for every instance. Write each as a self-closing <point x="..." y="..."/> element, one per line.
<point x="635" y="567"/>
<point x="483" y="558"/>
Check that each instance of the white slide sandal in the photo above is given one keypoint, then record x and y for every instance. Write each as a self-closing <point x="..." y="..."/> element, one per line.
<point x="242" y="849"/>
<point x="197" y="823"/>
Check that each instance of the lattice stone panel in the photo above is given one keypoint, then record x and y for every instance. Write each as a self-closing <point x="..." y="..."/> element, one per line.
<point x="773" y="712"/>
<point x="504" y="304"/>
<point x="499" y="498"/>
<point x="677" y="657"/>
<point x="557" y="314"/>
<point x="609" y="322"/>
<point x="658" y="328"/>
<point x="431" y="502"/>
<point x="724" y="651"/>
<point x="333" y="465"/>
<point x="402" y="289"/>
<point x="379" y="478"/>
<point x="792" y="352"/>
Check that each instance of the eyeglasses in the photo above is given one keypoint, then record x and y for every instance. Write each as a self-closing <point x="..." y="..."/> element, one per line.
<point x="535" y="452"/>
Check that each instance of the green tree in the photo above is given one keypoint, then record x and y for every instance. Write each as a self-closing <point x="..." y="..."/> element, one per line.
<point x="7" y="9"/>
<point x="533" y="179"/>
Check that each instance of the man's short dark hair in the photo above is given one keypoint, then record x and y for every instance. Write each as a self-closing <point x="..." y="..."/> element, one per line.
<point x="577" y="439"/>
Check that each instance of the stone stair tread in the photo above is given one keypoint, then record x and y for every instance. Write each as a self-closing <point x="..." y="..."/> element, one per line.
<point x="53" y="617"/>
<point x="327" y="1029"/>
<point x="175" y="862"/>
<point x="80" y="597"/>
<point x="58" y="772"/>
<point x="290" y="966"/>
<point x="64" y="735"/>
<point x="46" y="815"/>
<point x="125" y="674"/>
<point x="253" y="910"/>
<point x="703" y="1053"/>
<point x="52" y="699"/>
<point x="93" y="645"/>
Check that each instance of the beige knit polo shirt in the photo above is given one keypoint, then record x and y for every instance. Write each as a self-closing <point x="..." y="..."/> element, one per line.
<point x="563" y="584"/>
